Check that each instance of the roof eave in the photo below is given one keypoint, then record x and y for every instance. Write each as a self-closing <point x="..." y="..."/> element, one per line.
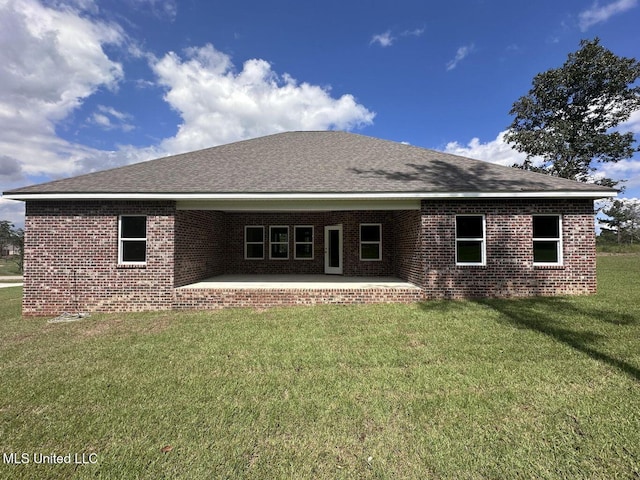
<point x="593" y="194"/>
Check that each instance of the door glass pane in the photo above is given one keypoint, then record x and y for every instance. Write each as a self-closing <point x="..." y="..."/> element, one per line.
<point x="334" y="248"/>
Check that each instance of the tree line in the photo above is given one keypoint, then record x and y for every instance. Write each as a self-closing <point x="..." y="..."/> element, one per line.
<point x="11" y="242"/>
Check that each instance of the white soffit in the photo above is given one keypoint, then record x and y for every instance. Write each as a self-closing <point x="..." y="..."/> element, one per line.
<point x="298" y="205"/>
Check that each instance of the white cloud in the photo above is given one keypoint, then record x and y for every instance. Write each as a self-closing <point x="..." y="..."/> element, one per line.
<point x="597" y="14"/>
<point x="111" y="119"/>
<point x="12" y="211"/>
<point x="387" y="39"/>
<point x="500" y="152"/>
<point x="496" y="151"/>
<point x="160" y="8"/>
<point x="50" y="61"/>
<point x="417" y="32"/>
<point x="628" y="170"/>
<point x="632" y="124"/>
<point x="52" y="58"/>
<point x="462" y="53"/>
<point x="383" y="39"/>
<point x="10" y="169"/>
<point x="219" y="104"/>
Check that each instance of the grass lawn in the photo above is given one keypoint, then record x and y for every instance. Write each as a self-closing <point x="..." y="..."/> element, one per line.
<point x="9" y="266"/>
<point x="533" y="388"/>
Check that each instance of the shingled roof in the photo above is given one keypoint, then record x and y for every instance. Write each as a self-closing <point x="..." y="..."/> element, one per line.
<point x="312" y="163"/>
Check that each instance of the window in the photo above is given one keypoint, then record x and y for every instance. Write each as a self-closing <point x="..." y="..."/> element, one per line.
<point x="132" y="240"/>
<point x="547" y="240"/>
<point x="370" y="241"/>
<point x="470" y="243"/>
<point x="303" y="242"/>
<point x="279" y="243"/>
<point x="254" y="242"/>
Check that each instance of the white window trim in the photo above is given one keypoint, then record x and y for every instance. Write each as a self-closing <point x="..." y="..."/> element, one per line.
<point x="483" y="240"/>
<point x="559" y="245"/>
<point x="246" y="243"/>
<point x="379" y="225"/>
<point x="122" y="239"/>
<point x="279" y="243"/>
<point x="296" y="243"/>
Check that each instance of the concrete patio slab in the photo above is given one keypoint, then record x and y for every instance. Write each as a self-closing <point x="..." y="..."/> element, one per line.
<point x="306" y="282"/>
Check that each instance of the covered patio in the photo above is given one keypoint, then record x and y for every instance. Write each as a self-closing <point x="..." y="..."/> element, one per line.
<point x="291" y="281"/>
<point x="264" y="291"/>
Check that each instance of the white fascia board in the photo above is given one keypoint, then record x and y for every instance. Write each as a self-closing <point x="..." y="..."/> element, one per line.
<point x="306" y="196"/>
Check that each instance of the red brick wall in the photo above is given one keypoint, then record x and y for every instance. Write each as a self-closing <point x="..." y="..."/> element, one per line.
<point x="408" y="255"/>
<point x="71" y="258"/>
<point x="192" y="298"/>
<point x="352" y="265"/>
<point x="71" y="252"/>
<point x="201" y="245"/>
<point x="509" y="270"/>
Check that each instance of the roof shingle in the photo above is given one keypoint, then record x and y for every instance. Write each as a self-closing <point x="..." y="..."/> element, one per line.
<point x="312" y="162"/>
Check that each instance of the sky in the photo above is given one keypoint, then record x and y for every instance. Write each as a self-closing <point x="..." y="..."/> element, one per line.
<point x="88" y="85"/>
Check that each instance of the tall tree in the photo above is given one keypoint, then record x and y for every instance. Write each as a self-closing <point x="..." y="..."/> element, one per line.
<point x="624" y="220"/>
<point x="12" y="240"/>
<point x="568" y="115"/>
<point x="6" y="236"/>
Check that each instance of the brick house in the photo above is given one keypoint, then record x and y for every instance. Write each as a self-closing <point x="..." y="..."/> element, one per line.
<point x="336" y="204"/>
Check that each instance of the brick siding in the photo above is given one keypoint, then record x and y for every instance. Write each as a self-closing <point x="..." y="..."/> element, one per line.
<point x="509" y="269"/>
<point x="71" y="258"/>
<point x="200" y="245"/>
<point x="408" y="254"/>
<point x="350" y="221"/>
<point x="193" y="298"/>
<point x="71" y="255"/>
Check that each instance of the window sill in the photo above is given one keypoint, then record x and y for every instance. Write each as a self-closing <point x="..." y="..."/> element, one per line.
<point x="131" y="266"/>
<point x="465" y="266"/>
<point x="548" y="267"/>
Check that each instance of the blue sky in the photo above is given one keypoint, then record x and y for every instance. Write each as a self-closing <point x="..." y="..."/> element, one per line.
<point x="90" y="85"/>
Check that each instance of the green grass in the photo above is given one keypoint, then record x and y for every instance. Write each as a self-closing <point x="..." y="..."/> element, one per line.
<point x="9" y="266"/>
<point x="615" y="248"/>
<point x="532" y="388"/>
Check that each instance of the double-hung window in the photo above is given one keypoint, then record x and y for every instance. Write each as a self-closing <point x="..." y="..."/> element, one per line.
<point x="279" y="243"/>
<point x="303" y="242"/>
<point x="547" y="240"/>
<point x="253" y="242"/>
<point x="370" y="241"/>
<point x="470" y="240"/>
<point x="132" y="240"/>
